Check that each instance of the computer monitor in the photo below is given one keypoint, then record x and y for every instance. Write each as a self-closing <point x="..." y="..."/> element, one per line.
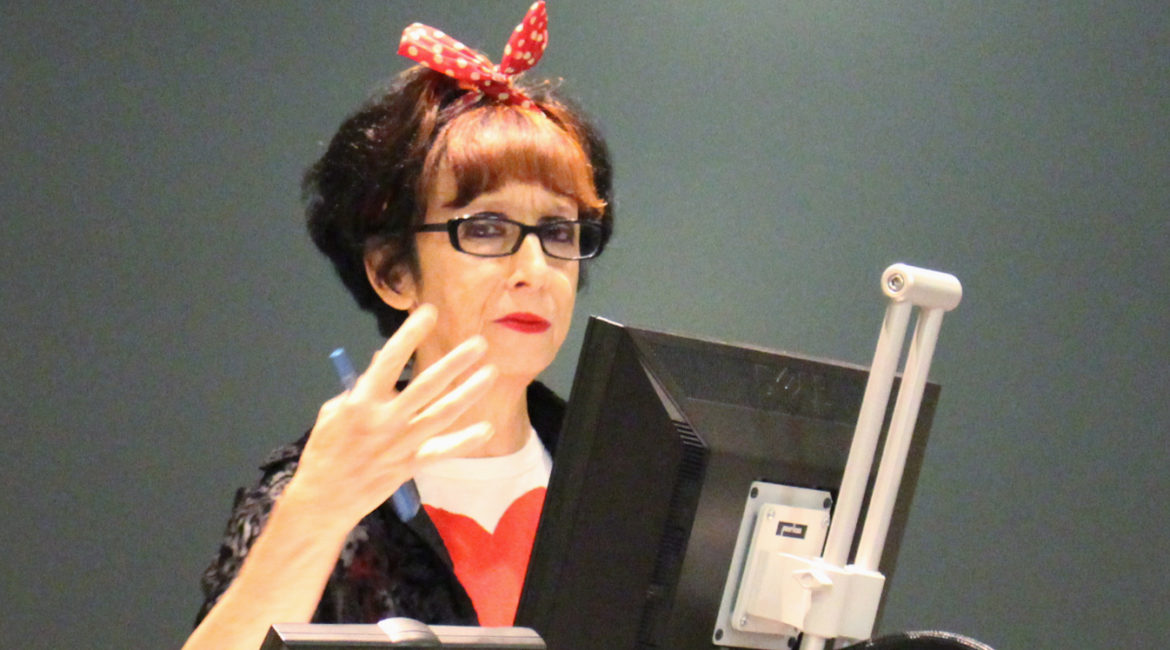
<point x="662" y="440"/>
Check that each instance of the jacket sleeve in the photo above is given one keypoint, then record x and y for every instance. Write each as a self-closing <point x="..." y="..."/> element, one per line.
<point x="250" y="512"/>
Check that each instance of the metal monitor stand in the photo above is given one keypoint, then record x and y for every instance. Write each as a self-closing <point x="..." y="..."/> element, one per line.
<point x="934" y="293"/>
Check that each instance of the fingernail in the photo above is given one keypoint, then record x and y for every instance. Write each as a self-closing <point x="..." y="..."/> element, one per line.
<point x="490" y="371"/>
<point x="478" y="342"/>
<point x="426" y="310"/>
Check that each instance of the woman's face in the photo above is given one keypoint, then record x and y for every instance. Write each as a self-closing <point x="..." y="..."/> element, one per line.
<point x="521" y="303"/>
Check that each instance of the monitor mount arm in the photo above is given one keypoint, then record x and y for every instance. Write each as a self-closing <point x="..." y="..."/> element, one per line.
<point x="824" y="597"/>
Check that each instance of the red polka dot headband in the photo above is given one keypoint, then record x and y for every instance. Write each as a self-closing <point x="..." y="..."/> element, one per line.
<point x="474" y="71"/>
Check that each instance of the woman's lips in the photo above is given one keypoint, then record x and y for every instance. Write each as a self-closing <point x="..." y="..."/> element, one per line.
<point x="524" y="322"/>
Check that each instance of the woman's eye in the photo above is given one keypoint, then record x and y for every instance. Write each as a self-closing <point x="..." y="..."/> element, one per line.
<point x="561" y="232"/>
<point x="486" y="229"/>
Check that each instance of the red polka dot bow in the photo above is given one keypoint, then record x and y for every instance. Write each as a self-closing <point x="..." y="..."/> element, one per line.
<point x="441" y="53"/>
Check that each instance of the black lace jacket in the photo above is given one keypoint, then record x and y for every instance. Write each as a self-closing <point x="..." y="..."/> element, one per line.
<point x="387" y="567"/>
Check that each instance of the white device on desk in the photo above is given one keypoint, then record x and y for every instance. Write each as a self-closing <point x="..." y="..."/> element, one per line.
<point x="399" y="633"/>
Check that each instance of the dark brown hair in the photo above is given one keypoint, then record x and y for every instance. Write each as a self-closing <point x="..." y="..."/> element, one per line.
<point x="368" y="191"/>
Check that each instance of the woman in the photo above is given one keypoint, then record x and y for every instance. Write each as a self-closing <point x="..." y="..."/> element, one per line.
<point x="457" y="209"/>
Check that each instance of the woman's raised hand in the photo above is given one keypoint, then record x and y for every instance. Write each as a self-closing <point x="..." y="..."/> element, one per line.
<point x="368" y="441"/>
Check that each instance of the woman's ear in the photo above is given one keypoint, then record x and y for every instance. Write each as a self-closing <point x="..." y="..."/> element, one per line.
<point x="396" y="287"/>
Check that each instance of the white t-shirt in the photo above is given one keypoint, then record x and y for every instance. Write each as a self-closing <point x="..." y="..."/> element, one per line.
<point x="483" y="488"/>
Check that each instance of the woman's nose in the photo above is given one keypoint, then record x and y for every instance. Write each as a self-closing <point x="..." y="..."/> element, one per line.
<point x="531" y="265"/>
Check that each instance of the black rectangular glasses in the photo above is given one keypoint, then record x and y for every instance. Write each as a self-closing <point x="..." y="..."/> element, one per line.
<point x="489" y="234"/>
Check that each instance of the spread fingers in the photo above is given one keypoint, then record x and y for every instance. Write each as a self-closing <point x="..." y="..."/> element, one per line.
<point x="381" y="377"/>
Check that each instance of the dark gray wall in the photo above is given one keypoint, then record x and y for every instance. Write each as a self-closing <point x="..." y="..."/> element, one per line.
<point x="165" y="321"/>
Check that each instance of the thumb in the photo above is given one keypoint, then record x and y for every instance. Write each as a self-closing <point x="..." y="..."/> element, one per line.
<point x="451" y="445"/>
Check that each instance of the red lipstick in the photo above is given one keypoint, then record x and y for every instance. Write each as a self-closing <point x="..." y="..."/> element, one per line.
<point x="524" y="322"/>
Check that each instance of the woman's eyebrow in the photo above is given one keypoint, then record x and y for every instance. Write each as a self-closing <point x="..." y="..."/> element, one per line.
<point x="553" y="208"/>
<point x="490" y="213"/>
<point x="455" y="204"/>
<point x="559" y="205"/>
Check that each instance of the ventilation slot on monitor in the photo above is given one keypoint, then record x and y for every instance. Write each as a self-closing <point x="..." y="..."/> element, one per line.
<point x="684" y="497"/>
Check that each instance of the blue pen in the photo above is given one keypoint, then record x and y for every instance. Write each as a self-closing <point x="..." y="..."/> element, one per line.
<point x="406" y="500"/>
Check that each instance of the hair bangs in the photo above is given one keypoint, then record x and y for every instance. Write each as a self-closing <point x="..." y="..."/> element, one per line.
<point x="491" y="145"/>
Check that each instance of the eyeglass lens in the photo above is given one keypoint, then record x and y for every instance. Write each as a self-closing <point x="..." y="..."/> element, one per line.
<point x="491" y="236"/>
